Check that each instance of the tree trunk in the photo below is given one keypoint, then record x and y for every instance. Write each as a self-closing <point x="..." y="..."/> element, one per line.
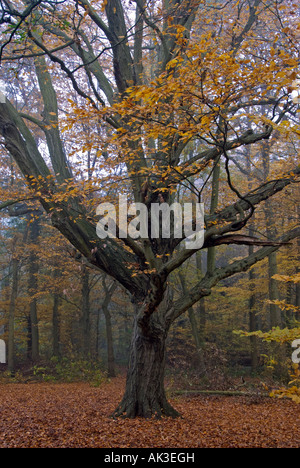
<point x="110" y="348"/>
<point x="11" y="317"/>
<point x="297" y="286"/>
<point x="201" y="310"/>
<point x="109" y="291"/>
<point x="55" y="325"/>
<point x="145" y="394"/>
<point x="275" y="312"/>
<point x="194" y="328"/>
<point x="253" y="326"/>
<point x="253" y="312"/>
<point x="196" y="336"/>
<point x="85" y="312"/>
<point x="33" y="329"/>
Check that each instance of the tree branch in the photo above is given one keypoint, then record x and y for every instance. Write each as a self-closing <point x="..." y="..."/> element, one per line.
<point x="221" y="223"/>
<point x="247" y="138"/>
<point x="28" y="10"/>
<point x="50" y="114"/>
<point x="20" y="143"/>
<point x="64" y="68"/>
<point x="9" y="203"/>
<point x="106" y="255"/>
<point x="37" y="54"/>
<point x="203" y="287"/>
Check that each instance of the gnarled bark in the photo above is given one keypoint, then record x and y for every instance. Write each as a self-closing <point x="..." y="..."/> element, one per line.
<point x="145" y="394"/>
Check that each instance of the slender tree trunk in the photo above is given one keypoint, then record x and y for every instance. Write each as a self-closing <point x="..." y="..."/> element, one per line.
<point x="194" y="328"/>
<point x="85" y="311"/>
<point x="201" y="309"/>
<point x="297" y="286"/>
<point x="110" y="348"/>
<point x="55" y="315"/>
<point x="197" y="339"/>
<point x="29" y="338"/>
<point x="11" y="317"/>
<point x="275" y="312"/>
<point x="55" y="326"/>
<point x="253" y="319"/>
<point x="289" y="315"/>
<point x="33" y="329"/>
<point x="109" y="335"/>
<point x="124" y="338"/>
<point x="211" y="251"/>
<point x="97" y="343"/>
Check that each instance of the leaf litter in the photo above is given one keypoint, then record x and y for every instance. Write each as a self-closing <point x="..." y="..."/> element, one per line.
<point x="77" y="415"/>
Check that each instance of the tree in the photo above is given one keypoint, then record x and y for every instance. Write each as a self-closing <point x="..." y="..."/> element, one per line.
<point x="165" y="90"/>
<point x="33" y="340"/>
<point x="11" y="315"/>
<point x="109" y="337"/>
<point x="281" y="337"/>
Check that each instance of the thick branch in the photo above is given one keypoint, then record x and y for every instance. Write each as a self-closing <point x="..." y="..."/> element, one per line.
<point x="90" y="61"/>
<point x="20" y="143"/>
<point x="222" y="222"/>
<point x="96" y="18"/>
<point x="10" y="203"/>
<point x="107" y="255"/>
<point x="237" y="40"/>
<point x="36" y="54"/>
<point x="50" y="114"/>
<point x="122" y="60"/>
<point x="63" y="66"/>
<point x="247" y="138"/>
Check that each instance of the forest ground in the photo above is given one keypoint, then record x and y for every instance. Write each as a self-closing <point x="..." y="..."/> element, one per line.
<point x="77" y="415"/>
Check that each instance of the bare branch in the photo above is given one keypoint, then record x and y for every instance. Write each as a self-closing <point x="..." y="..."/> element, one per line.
<point x="203" y="287"/>
<point x="221" y="223"/>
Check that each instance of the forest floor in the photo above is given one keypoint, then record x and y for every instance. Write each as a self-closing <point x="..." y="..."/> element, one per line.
<point x="77" y="415"/>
